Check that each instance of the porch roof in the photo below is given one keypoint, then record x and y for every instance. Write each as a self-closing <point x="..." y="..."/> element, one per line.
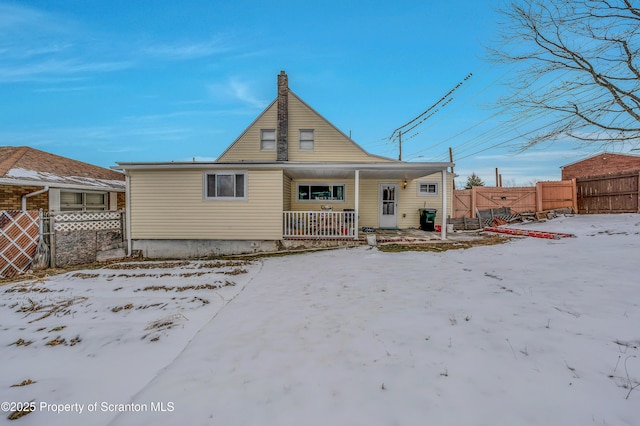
<point x="398" y="170"/>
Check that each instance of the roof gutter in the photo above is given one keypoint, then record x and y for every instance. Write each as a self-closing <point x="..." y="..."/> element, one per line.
<point x="32" y="194"/>
<point x="78" y="187"/>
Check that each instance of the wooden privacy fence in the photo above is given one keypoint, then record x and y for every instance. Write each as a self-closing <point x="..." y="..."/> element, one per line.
<point x="609" y="194"/>
<point x="19" y="237"/>
<point x="543" y="196"/>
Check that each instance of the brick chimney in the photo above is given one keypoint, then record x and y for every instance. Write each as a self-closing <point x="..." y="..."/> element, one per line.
<point x="282" y="144"/>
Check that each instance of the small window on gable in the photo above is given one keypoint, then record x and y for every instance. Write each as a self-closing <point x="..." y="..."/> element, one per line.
<point x="428" y="188"/>
<point x="225" y="185"/>
<point x="306" y="140"/>
<point x="267" y="140"/>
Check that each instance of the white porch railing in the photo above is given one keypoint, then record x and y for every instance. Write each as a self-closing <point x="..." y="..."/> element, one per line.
<point x="319" y="225"/>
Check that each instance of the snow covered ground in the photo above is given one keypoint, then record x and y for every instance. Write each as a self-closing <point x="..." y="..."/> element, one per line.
<point x="532" y="332"/>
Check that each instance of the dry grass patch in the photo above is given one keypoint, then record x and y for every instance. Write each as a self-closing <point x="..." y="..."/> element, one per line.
<point x="23" y="383"/>
<point x="58" y="308"/>
<point x="223" y="264"/>
<point x="216" y="286"/>
<point x="20" y="413"/>
<point x="126" y="307"/>
<point x="236" y="271"/>
<point x="55" y="342"/>
<point x="147" y="265"/>
<point x="443" y="246"/>
<point x="29" y="288"/>
<point x="84" y="275"/>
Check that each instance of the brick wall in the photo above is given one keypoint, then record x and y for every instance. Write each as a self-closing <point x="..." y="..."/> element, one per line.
<point x="11" y="198"/>
<point x="603" y="164"/>
<point x="122" y="201"/>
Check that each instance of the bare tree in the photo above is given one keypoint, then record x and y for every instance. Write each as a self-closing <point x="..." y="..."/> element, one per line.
<point x="577" y="64"/>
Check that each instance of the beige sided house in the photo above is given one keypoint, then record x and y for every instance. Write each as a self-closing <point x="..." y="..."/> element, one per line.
<point x="290" y="175"/>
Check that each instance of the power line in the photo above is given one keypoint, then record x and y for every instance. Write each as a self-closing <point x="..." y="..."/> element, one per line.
<point x="431" y="107"/>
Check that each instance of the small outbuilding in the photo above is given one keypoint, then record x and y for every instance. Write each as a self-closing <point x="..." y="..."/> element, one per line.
<point x="601" y="165"/>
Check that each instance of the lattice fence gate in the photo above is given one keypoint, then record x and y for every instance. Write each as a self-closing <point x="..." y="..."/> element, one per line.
<point x="19" y="236"/>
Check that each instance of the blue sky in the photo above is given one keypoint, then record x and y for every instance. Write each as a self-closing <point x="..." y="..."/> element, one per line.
<point x="108" y="81"/>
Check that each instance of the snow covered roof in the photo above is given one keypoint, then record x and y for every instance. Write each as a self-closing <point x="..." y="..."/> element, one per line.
<point x="24" y="165"/>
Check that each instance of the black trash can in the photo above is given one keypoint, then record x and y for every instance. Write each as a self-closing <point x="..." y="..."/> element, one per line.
<point x="428" y="219"/>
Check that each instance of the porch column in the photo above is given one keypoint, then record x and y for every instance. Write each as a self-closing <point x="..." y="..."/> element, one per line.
<point x="357" y="203"/>
<point x="127" y="213"/>
<point x="443" y="227"/>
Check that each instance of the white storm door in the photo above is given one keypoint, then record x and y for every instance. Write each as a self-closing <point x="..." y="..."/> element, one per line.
<point x="388" y="217"/>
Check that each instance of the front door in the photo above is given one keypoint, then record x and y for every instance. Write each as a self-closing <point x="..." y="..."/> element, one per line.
<point x="388" y="217"/>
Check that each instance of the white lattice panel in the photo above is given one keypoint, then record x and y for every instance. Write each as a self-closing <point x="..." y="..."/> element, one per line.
<point x="87" y="221"/>
<point x="87" y="226"/>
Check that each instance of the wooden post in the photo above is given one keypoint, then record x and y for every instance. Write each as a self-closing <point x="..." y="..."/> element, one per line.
<point x="638" y="194"/>
<point x="52" y="239"/>
<point x="574" y="192"/>
<point x="452" y="173"/>
<point x="473" y="201"/>
<point x="356" y="201"/>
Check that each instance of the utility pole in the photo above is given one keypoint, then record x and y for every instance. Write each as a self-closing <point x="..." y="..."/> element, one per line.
<point x="400" y="144"/>
<point x="452" y="173"/>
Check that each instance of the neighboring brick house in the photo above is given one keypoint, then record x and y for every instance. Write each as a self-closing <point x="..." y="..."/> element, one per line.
<point x="600" y="165"/>
<point x="31" y="179"/>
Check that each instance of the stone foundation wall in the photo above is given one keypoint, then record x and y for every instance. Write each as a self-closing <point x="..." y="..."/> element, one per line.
<point x="81" y="247"/>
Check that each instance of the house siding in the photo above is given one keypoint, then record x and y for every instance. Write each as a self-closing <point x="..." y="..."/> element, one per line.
<point x="409" y="201"/>
<point x="329" y="143"/>
<point x="247" y="146"/>
<point x="287" y="190"/>
<point x="181" y="212"/>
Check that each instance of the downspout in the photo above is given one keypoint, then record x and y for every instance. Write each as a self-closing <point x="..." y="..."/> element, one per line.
<point x="33" y="194"/>
<point x="127" y="213"/>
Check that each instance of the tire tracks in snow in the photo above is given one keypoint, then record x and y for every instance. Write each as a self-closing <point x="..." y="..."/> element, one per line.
<point x="120" y="416"/>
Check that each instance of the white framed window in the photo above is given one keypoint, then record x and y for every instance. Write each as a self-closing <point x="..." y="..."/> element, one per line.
<point x="306" y="139"/>
<point x="267" y="139"/>
<point x="321" y="192"/>
<point x="83" y="201"/>
<point x="225" y="185"/>
<point x="428" y="188"/>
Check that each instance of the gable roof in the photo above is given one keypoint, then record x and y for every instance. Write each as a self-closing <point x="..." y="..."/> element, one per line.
<point x="22" y="165"/>
<point x="374" y="157"/>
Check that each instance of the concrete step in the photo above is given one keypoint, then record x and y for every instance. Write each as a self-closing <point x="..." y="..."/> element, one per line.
<point x="113" y="254"/>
